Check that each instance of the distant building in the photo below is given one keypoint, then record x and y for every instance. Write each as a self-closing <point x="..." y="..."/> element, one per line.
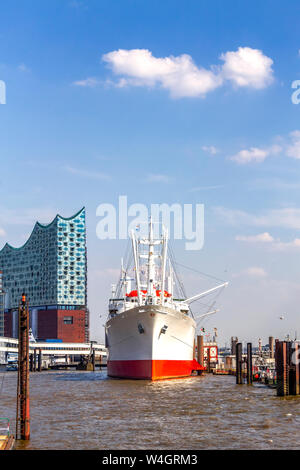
<point x="1" y="306"/>
<point x="51" y="268"/>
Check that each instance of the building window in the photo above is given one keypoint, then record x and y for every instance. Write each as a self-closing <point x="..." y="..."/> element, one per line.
<point x="68" y="320"/>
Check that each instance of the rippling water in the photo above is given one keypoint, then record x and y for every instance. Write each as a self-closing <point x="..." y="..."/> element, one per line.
<point x="87" y="410"/>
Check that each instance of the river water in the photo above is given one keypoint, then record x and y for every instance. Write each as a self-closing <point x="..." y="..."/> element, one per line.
<point x="88" y="410"/>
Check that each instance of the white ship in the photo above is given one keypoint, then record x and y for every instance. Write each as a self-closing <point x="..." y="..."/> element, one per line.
<point x="149" y="333"/>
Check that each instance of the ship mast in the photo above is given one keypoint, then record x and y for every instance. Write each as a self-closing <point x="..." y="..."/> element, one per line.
<point x="136" y="265"/>
<point x="151" y="264"/>
<point x="163" y="264"/>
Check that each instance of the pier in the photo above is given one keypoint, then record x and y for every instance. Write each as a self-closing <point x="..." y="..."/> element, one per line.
<point x="51" y="354"/>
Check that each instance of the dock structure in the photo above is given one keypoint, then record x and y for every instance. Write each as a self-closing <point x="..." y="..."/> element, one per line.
<point x="7" y="440"/>
<point x="52" y="354"/>
<point x="287" y="355"/>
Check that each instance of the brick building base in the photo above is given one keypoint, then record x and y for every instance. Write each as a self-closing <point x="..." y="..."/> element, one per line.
<point x="66" y="325"/>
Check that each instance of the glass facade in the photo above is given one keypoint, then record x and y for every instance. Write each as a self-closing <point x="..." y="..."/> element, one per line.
<point x="1" y="307"/>
<point x="51" y="268"/>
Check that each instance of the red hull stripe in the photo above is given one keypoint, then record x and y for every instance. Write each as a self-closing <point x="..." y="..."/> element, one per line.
<point x="151" y="369"/>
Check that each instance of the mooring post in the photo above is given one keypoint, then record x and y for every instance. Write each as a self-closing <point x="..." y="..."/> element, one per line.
<point x="293" y="368"/>
<point x="249" y="364"/>
<point x="200" y="350"/>
<point x="40" y="361"/>
<point x="271" y="347"/>
<point x="281" y="361"/>
<point x="93" y="360"/>
<point x="34" y="360"/>
<point x="297" y="367"/>
<point x="239" y="358"/>
<point x="23" y="409"/>
<point x="208" y="360"/>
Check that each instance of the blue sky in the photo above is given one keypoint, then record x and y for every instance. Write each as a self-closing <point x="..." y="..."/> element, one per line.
<point x="81" y="128"/>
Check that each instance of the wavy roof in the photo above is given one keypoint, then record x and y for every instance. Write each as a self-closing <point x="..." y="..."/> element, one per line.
<point x="44" y="226"/>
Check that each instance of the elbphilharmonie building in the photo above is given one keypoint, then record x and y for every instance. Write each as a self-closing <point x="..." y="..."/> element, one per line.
<point x="51" y="268"/>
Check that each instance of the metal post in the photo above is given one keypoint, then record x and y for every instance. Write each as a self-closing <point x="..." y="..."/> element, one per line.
<point x="31" y="362"/>
<point x="23" y="409"/>
<point x="40" y="361"/>
<point x="34" y="360"/>
<point x="93" y="360"/>
<point x="249" y="364"/>
<point x="238" y="356"/>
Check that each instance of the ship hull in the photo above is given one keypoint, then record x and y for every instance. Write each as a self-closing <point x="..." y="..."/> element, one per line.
<point x="152" y="343"/>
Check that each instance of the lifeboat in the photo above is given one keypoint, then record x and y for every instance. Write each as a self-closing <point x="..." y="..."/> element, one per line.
<point x="133" y="293"/>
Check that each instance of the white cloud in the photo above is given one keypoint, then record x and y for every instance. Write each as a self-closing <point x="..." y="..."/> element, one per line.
<point x="95" y="175"/>
<point x="287" y="246"/>
<point x="293" y="150"/>
<point x="288" y="217"/>
<point x="261" y="237"/>
<point x="202" y="188"/>
<point x="158" y="178"/>
<point x="26" y="216"/>
<point x="179" y="74"/>
<point x="210" y="149"/>
<point x="23" y="68"/>
<point x="247" y="67"/>
<point x="2" y="232"/>
<point x="253" y="271"/>
<point x="183" y="78"/>
<point x="255" y="154"/>
<point x="273" y="183"/>
<point x="88" y="82"/>
<point x="274" y="245"/>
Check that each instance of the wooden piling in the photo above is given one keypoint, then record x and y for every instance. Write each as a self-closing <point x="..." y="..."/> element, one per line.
<point x="34" y="360"/>
<point x="239" y="359"/>
<point x="208" y="361"/>
<point x="200" y="350"/>
<point x="249" y="364"/>
<point x="297" y="367"/>
<point x="40" y="361"/>
<point x="294" y="369"/>
<point x="23" y="409"/>
<point x="271" y="347"/>
<point x="282" y="368"/>
<point x="93" y="360"/>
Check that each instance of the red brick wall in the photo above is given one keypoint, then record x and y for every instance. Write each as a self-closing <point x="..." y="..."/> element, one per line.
<point x="8" y="324"/>
<point x="47" y="324"/>
<point x="74" y="333"/>
<point x="51" y="325"/>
